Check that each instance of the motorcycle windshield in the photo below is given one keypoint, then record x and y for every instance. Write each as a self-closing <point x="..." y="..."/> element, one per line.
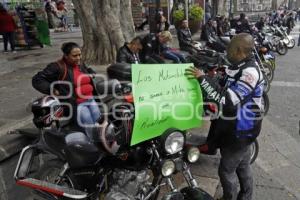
<point x="164" y="98"/>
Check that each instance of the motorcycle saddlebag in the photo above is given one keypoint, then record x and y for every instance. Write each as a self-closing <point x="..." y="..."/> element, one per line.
<point x="119" y="71"/>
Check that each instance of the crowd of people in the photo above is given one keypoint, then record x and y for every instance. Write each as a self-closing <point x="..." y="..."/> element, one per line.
<point x="56" y="15"/>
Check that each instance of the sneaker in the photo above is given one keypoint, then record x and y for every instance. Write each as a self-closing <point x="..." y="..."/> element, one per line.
<point x="14" y="51"/>
<point x="5" y="51"/>
<point x="204" y="149"/>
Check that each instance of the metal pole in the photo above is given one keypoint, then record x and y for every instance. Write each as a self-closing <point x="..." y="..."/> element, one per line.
<point x="157" y="5"/>
<point x="187" y="10"/>
<point x="169" y="10"/>
<point x="230" y="9"/>
<point x="204" y="2"/>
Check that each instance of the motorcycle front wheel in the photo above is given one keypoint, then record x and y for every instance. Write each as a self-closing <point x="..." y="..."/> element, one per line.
<point x="291" y="44"/>
<point x="265" y="103"/>
<point x="254" y="151"/>
<point x="268" y="71"/>
<point x="281" y="48"/>
<point x="267" y="84"/>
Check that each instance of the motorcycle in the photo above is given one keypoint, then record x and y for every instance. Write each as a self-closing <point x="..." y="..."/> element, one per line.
<point x="277" y="40"/>
<point x="64" y="163"/>
<point x="288" y="40"/>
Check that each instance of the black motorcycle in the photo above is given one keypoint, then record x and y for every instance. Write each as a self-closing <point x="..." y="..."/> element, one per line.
<point x="66" y="164"/>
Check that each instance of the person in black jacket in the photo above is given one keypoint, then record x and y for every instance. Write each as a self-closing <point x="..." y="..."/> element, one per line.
<point x="185" y="38"/>
<point x="153" y="46"/>
<point x="162" y="25"/>
<point x="260" y="24"/>
<point x="129" y="52"/>
<point x="77" y="90"/>
<point x="242" y="25"/>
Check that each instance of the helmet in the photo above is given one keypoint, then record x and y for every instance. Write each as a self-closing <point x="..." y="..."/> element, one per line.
<point x="46" y="110"/>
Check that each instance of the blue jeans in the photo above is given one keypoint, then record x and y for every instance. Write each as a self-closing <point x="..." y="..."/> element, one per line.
<point x="207" y="17"/>
<point x="175" y="56"/>
<point x="88" y="113"/>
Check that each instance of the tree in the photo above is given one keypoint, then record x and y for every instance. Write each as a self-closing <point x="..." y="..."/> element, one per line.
<point x="105" y="25"/>
<point x="274" y="4"/>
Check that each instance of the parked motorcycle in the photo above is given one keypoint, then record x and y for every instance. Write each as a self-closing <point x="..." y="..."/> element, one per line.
<point x="106" y="166"/>
<point x="288" y="40"/>
<point x="277" y="40"/>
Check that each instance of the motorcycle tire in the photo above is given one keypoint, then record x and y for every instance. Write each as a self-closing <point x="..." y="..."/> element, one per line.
<point x="254" y="151"/>
<point x="291" y="44"/>
<point x="49" y="172"/>
<point x="266" y="103"/>
<point x="268" y="71"/>
<point x="273" y="64"/>
<point x="281" y="48"/>
<point x="267" y="84"/>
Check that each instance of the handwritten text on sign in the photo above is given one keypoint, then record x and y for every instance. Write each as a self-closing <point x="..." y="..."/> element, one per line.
<point x="164" y="98"/>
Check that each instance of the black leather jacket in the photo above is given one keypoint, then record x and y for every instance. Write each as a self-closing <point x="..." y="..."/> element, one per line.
<point x="43" y="79"/>
<point x="184" y="38"/>
<point x="243" y="26"/>
<point x="124" y="55"/>
<point x="151" y="46"/>
<point x="239" y="99"/>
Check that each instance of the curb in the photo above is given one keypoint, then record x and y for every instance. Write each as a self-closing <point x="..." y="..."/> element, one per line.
<point x="11" y="142"/>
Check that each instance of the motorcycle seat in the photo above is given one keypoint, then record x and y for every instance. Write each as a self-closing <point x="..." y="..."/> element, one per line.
<point x="81" y="151"/>
<point x="119" y="71"/>
<point x="108" y="87"/>
<point x="55" y="141"/>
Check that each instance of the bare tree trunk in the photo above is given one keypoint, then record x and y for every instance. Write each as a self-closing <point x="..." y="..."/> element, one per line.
<point x="222" y="7"/>
<point x="274" y="4"/>
<point x="105" y="25"/>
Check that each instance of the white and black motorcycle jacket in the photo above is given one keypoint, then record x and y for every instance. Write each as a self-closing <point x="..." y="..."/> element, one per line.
<point x="240" y="100"/>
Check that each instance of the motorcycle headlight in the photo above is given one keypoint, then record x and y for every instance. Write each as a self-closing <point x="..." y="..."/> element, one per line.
<point x="193" y="154"/>
<point x="174" y="142"/>
<point x="286" y="40"/>
<point x="168" y="168"/>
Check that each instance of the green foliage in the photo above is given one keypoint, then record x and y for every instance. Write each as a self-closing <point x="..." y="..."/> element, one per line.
<point x="195" y="13"/>
<point x="178" y="15"/>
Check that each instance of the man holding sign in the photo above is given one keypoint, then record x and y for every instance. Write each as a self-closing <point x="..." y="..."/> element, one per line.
<point x="239" y="120"/>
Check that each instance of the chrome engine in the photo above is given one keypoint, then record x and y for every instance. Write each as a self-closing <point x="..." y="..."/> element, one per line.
<point x="129" y="185"/>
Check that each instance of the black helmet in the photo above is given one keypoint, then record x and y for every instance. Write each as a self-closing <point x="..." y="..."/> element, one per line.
<point x="46" y="110"/>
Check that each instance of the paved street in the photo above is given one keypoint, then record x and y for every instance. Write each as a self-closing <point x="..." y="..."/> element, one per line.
<point x="277" y="169"/>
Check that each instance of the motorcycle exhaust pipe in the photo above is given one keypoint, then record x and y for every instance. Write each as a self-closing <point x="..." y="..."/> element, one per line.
<point x="51" y="188"/>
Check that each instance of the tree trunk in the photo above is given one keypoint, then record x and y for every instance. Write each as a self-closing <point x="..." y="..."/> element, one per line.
<point x="274" y="4"/>
<point x="106" y="25"/>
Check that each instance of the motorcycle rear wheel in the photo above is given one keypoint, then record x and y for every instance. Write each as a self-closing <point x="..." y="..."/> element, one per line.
<point x="291" y="44"/>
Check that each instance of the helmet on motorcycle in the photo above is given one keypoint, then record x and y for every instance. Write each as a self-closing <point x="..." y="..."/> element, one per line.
<point x="46" y="110"/>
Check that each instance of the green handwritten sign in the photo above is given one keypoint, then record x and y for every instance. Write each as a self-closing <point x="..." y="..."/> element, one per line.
<point x="164" y="98"/>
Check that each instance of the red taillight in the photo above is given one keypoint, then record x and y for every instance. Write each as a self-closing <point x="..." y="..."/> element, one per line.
<point x="129" y="98"/>
<point x="212" y="107"/>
